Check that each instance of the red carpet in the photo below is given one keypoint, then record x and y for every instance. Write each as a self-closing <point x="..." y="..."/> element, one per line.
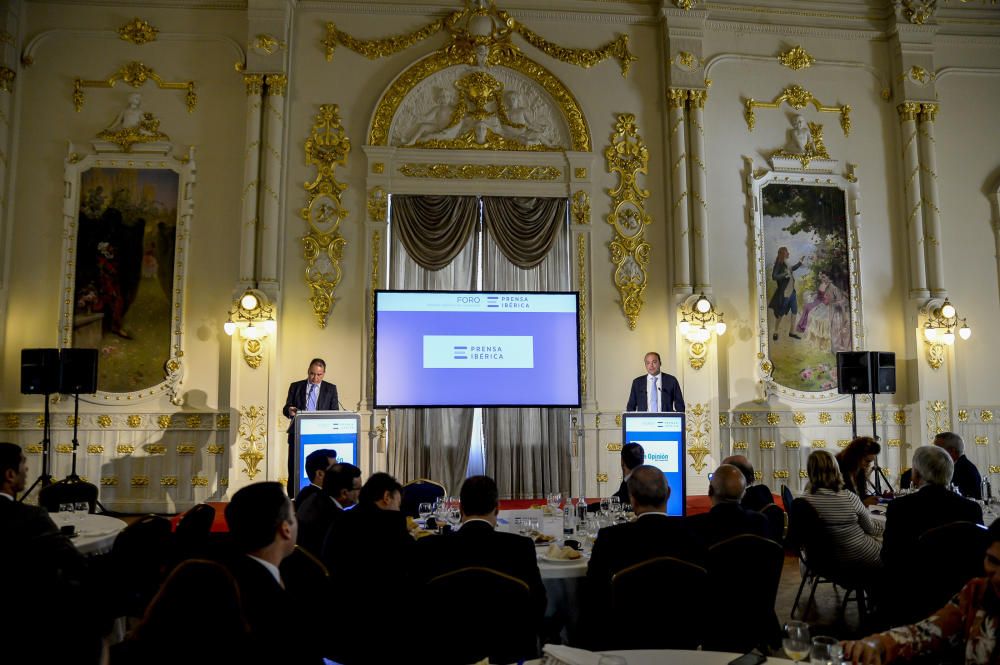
<point x="695" y="505"/>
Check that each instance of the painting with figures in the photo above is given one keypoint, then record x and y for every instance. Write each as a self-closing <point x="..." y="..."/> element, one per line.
<point x="124" y="278"/>
<point x="808" y="283"/>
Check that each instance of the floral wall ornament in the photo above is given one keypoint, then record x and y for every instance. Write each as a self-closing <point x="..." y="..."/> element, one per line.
<point x="627" y="156"/>
<point x="796" y="58"/>
<point x="253" y="435"/>
<point x="699" y="427"/>
<point x="378" y="204"/>
<point x="138" y="32"/>
<point x="326" y="148"/>
<point x="135" y="74"/>
<point x="580" y="208"/>
<point x="798" y="98"/>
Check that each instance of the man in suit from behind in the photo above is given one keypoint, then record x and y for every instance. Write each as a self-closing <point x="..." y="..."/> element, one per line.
<point x="655" y="391"/>
<point x="341" y="485"/>
<point x="652" y="534"/>
<point x="263" y="527"/>
<point x="632" y="456"/>
<point x="727" y="518"/>
<point x="966" y="476"/>
<point x="317" y="462"/>
<point x="757" y="495"/>
<point x="309" y="394"/>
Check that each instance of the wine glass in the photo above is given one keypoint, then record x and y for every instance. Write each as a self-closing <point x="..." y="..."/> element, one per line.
<point x="795" y="640"/>
<point x="425" y="510"/>
<point x="554" y="501"/>
<point x="605" y="505"/>
<point x="825" y="651"/>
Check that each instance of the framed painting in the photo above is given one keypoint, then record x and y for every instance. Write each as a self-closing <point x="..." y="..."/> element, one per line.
<point x="127" y="218"/>
<point x="807" y="282"/>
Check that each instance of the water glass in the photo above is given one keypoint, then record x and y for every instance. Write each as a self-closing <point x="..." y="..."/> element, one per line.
<point x="554" y="501"/>
<point x="82" y="507"/>
<point x="605" y="505"/>
<point x="425" y="510"/>
<point x="795" y="640"/>
<point x="825" y="651"/>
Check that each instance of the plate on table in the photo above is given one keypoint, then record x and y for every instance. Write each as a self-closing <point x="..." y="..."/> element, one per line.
<point x="547" y="559"/>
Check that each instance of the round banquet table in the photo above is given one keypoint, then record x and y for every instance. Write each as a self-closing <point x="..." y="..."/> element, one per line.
<point x="95" y="533"/>
<point x="658" y="657"/>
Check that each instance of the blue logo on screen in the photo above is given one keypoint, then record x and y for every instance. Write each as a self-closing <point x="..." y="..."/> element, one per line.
<point x="491" y="301"/>
<point x="461" y="353"/>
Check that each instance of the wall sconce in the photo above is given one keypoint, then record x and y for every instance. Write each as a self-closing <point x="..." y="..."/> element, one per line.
<point x="253" y="318"/>
<point x="699" y="319"/>
<point x="939" y="328"/>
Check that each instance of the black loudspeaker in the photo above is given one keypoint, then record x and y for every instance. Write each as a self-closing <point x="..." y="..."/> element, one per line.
<point x="853" y="372"/>
<point x="39" y="371"/>
<point x="78" y="371"/>
<point x="883" y="365"/>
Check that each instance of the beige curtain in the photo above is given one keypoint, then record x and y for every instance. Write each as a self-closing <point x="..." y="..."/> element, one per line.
<point x="432" y="231"/>
<point x="526" y="248"/>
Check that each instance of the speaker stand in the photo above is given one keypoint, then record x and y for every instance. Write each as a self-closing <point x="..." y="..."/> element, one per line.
<point x="45" y="478"/>
<point x="877" y="471"/>
<point x="76" y="442"/>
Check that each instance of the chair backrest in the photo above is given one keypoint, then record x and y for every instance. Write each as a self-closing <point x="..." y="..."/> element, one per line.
<point x="807" y="532"/>
<point x="57" y="495"/>
<point x="649" y="593"/>
<point x="500" y="627"/>
<point x="906" y="479"/>
<point x="418" y="491"/>
<point x="748" y="567"/>
<point x="786" y="497"/>
<point x="955" y="552"/>
<point x="140" y="557"/>
<point x="777" y="521"/>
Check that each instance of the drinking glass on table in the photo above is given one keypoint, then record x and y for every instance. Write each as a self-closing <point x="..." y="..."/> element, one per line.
<point x="825" y="651"/>
<point x="605" y="505"/>
<point x="795" y="640"/>
<point x="425" y="510"/>
<point x="554" y="501"/>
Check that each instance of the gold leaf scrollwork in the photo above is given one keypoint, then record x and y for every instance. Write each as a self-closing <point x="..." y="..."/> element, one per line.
<point x="480" y="171"/>
<point x="276" y="84"/>
<point x="253" y="438"/>
<point x="697" y="353"/>
<point x="199" y="481"/>
<point x="185" y="449"/>
<point x="104" y="421"/>
<point x="698" y="427"/>
<point x="222" y="421"/>
<point x="937" y="418"/>
<point x="746" y="419"/>
<point x="602" y="477"/>
<point x="378" y="204"/>
<point x="627" y="156"/>
<point x="134" y="74"/>
<point x="376" y="248"/>
<point x="140" y="481"/>
<point x="824" y="418"/>
<point x="326" y="148"/>
<point x="64" y="448"/>
<point x="253" y="352"/>
<point x="766" y="444"/>
<point x="798" y="418"/>
<point x="254" y="84"/>
<point x="986" y="416"/>
<point x="193" y="422"/>
<point x="740" y="445"/>
<point x="109" y="481"/>
<point x="168" y="481"/>
<point x="125" y="449"/>
<point x="580" y="208"/>
<point x="12" y="420"/>
<point x="918" y="12"/>
<point x="581" y="286"/>
<point x="580" y="57"/>
<point x="798" y="98"/>
<point x="133" y="420"/>
<point x="814" y="148"/>
<point x="935" y="355"/>
<point x="7" y="76"/>
<point x="773" y="418"/>
<point x="819" y="443"/>
<point x="163" y="421"/>
<point x="138" y="32"/>
<point x="215" y="449"/>
<point x="33" y="449"/>
<point x="373" y="49"/>
<point x="796" y="58"/>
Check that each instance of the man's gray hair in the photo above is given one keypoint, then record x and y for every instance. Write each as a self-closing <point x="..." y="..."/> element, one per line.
<point x="950" y="441"/>
<point x="933" y="464"/>
<point x="648" y="486"/>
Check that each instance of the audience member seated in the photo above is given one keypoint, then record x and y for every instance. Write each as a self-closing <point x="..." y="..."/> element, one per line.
<point x="477" y="543"/>
<point x="195" y="618"/>
<point x="964" y="630"/>
<point x="757" y="495"/>
<point x="263" y="528"/>
<point x="727" y="518"/>
<point x="341" y="485"/>
<point x="317" y="462"/>
<point x="367" y="551"/>
<point x="45" y="579"/>
<point x="846" y="520"/>
<point x="966" y="477"/>
<point x="856" y="463"/>
<point x="632" y="456"/>
<point x="653" y="534"/>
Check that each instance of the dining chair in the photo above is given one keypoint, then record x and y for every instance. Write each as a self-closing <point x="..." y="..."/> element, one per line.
<point x="418" y="491"/>
<point x="786" y="496"/>
<point x="777" y="522"/>
<point x="69" y="490"/>
<point x="955" y="553"/>
<point x="191" y="537"/>
<point x="756" y="624"/>
<point x="488" y="617"/>
<point x="665" y="601"/>
<point x="140" y="559"/>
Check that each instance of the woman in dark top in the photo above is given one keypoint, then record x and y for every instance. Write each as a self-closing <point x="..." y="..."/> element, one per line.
<point x="856" y="462"/>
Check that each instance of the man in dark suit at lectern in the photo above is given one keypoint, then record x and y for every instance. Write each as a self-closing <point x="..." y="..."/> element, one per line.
<point x="664" y="389"/>
<point x="309" y="394"/>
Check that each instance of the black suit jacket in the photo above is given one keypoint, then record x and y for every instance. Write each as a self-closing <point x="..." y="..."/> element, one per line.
<point x="479" y="544"/>
<point x="670" y="392"/>
<point x="315" y="515"/>
<point x="622" y="495"/>
<point x="726" y="520"/>
<point x="623" y="545"/>
<point x="757" y="496"/>
<point x="304" y="494"/>
<point x="909" y="516"/>
<point x="327" y="400"/>
<point x="967" y="478"/>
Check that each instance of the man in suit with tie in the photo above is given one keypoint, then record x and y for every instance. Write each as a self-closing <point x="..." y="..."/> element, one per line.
<point x="309" y="394"/>
<point x="655" y="391"/>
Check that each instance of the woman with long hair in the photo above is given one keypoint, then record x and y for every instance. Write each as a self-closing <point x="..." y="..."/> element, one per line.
<point x="856" y="463"/>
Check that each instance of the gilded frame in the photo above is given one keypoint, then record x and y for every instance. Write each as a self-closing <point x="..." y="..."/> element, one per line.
<point x="773" y="380"/>
<point x="75" y="168"/>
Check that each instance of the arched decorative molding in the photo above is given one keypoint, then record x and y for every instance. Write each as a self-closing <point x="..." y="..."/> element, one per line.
<point x="885" y="86"/>
<point x="502" y="64"/>
<point x="995" y="221"/>
<point x="33" y="47"/>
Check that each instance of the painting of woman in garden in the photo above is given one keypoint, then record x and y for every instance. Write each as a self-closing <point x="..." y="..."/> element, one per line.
<point x="808" y="284"/>
<point x="125" y="272"/>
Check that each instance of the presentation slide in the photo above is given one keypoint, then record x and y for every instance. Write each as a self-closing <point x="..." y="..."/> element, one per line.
<point x="332" y="430"/>
<point x="661" y="436"/>
<point x="445" y="348"/>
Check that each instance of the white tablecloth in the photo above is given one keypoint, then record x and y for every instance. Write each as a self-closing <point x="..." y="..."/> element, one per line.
<point x="681" y="657"/>
<point x="95" y="533"/>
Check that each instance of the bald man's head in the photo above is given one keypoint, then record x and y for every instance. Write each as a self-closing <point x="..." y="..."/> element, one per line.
<point x="648" y="490"/>
<point x="743" y="464"/>
<point x="727" y="486"/>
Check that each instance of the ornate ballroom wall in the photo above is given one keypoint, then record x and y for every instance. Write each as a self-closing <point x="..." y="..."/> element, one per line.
<point x="695" y="103"/>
